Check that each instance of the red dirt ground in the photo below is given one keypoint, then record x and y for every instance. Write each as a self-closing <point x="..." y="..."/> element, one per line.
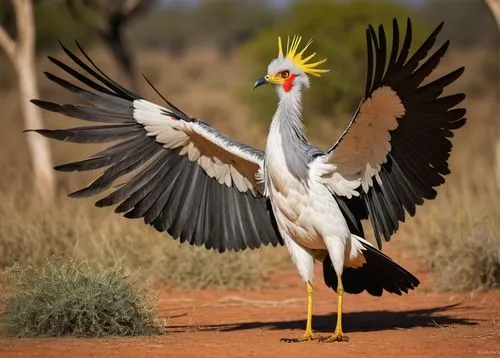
<point x="251" y="323"/>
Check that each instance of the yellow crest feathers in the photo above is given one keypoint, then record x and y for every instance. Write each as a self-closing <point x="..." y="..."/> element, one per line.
<point x="293" y="54"/>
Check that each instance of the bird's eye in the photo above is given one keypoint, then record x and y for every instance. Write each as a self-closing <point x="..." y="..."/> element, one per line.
<point x="285" y="74"/>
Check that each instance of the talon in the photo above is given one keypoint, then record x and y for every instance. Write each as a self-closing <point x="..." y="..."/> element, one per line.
<point x="308" y="336"/>
<point x="336" y="337"/>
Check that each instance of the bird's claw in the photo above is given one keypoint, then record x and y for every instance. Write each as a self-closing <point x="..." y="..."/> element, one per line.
<point x="336" y="337"/>
<point x="290" y="340"/>
<point x="308" y="336"/>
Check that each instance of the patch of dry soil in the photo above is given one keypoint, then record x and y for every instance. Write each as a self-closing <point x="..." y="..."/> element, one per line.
<point x="251" y="323"/>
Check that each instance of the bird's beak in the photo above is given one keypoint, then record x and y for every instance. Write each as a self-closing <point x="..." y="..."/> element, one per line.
<point x="261" y="81"/>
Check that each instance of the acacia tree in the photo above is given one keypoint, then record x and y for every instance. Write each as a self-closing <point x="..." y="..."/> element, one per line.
<point x="21" y="53"/>
<point x="114" y="17"/>
<point x="494" y="6"/>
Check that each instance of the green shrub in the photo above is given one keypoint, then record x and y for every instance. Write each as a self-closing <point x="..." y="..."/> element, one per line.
<point x="69" y="298"/>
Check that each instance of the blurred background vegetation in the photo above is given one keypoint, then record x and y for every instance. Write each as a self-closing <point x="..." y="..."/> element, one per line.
<point x="204" y="57"/>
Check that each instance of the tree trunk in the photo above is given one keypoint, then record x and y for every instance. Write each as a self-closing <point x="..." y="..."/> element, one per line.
<point x="39" y="147"/>
<point x="494" y="6"/>
<point x="22" y="55"/>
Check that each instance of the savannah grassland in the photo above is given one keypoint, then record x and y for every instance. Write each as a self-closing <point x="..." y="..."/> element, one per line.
<point x="456" y="237"/>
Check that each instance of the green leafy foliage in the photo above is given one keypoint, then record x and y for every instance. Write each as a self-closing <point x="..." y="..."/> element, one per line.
<point x="338" y="31"/>
<point x="64" y="297"/>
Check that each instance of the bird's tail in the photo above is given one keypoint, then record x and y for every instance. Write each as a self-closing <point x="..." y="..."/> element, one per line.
<point x="378" y="273"/>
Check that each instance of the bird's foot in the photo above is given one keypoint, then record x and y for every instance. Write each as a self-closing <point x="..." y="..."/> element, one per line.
<point x="308" y="336"/>
<point x="338" y="336"/>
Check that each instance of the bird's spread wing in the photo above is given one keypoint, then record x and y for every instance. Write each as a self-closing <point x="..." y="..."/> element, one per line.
<point x="395" y="150"/>
<point x="178" y="173"/>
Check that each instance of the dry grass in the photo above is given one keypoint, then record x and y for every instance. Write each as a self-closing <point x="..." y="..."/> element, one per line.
<point x="465" y="252"/>
<point x="64" y="297"/>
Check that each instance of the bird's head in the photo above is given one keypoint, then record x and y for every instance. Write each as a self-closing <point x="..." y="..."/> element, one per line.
<point x="289" y="71"/>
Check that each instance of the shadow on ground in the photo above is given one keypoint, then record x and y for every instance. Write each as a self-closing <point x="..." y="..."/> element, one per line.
<point x="364" y="321"/>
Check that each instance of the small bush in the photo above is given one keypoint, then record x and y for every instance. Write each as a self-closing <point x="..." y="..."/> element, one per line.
<point x="69" y="298"/>
<point x="464" y="254"/>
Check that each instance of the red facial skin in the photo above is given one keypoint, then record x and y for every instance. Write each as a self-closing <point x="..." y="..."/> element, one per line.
<point x="287" y="85"/>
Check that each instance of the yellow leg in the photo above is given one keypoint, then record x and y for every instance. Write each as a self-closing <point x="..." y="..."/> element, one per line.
<point x="338" y="335"/>
<point x="308" y="334"/>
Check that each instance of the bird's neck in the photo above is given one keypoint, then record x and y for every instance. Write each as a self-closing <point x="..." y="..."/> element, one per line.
<point x="288" y="152"/>
<point x="287" y="119"/>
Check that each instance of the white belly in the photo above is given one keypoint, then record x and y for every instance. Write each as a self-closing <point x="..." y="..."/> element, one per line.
<point x="305" y="212"/>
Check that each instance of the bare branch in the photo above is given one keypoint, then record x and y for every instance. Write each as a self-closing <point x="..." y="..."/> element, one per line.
<point x="25" y="27"/>
<point x="8" y="44"/>
<point x="494" y="6"/>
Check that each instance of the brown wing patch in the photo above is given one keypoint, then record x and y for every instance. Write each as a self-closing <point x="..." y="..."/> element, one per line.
<point x="366" y="144"/>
